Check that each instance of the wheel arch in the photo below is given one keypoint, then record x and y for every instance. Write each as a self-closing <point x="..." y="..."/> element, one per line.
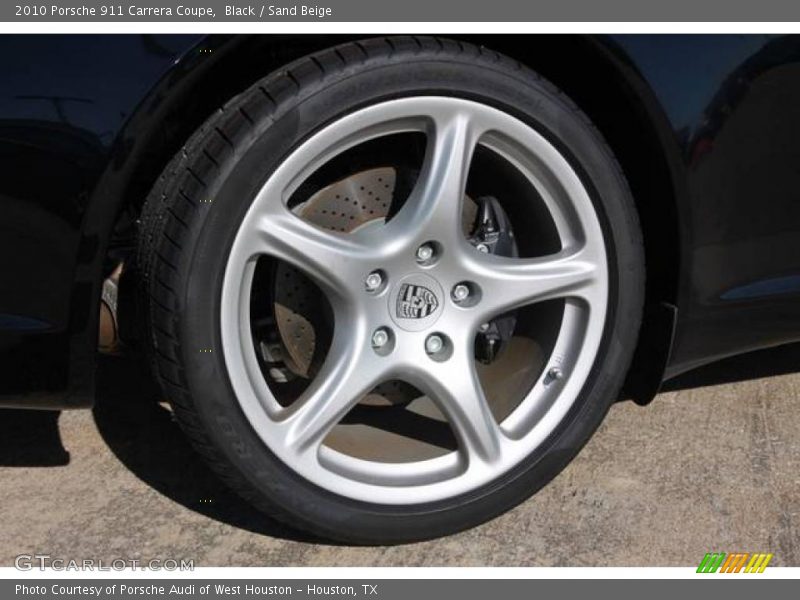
<point x="212" y="71"/>
<point x="603" y="81"/>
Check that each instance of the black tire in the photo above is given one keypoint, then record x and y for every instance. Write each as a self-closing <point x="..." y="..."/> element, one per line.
<point x="184" y="241"/>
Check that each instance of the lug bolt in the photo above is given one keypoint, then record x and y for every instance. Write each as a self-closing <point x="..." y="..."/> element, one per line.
<point x="555" y="373"/>
<point x="434" y="344"/>
<point x="482" y="248"/>
<point x="484" y="327"/>
<point x="460" y="292"/>
<point x="380" y="338"/>
<point x="373" y="281"/>
<point x="424" y="253"/>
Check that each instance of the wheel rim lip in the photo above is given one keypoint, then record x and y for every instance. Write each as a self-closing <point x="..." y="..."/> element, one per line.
<point x="534" y="419"/>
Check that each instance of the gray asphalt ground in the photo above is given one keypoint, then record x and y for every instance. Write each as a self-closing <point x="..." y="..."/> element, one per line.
<point x="712" y="465"/>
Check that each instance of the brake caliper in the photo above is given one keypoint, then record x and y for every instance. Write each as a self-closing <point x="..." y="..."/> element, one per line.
<point x="492" y="234"/>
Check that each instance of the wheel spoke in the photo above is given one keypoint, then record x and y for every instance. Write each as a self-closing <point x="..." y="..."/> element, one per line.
<point x="513" y="283"/>
<point x="455" y="387"/>
<point x="349" y="373"/>
<point x="435" y="203"/>
<point x="333" y="260"/>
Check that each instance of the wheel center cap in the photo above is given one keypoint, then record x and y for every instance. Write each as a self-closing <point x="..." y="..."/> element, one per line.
<point x="416" y="302"/>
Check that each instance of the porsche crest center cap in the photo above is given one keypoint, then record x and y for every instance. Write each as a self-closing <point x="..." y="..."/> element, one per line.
<point x="416" y="302"/>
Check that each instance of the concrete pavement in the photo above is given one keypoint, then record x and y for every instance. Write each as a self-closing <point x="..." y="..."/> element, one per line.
<point x="712" y="464"/>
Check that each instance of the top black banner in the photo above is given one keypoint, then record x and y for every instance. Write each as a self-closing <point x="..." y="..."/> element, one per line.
<point x="460" y="11"/>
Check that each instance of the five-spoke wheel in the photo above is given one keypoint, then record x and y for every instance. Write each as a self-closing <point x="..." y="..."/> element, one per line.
<point x="403" y="312"/>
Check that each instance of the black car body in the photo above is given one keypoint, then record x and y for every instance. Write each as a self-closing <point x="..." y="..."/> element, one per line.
<point x="705" y="128"/>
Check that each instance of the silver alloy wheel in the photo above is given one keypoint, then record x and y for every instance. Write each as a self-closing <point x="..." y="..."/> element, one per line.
<point x="340" y="263"/>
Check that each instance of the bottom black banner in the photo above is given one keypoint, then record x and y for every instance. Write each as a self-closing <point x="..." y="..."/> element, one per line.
<point x="391" y="589"/>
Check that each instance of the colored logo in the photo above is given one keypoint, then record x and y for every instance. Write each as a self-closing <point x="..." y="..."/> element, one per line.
<point x="735" y="562"/>
<point x="415" y="302"/>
